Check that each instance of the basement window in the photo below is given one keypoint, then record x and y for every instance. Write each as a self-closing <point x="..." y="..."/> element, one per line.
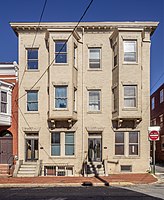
<point x="126" y="168"/>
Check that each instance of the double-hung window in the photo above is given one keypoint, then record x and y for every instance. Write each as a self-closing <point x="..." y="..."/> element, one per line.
<point x="119" y="143"/>
<point x="32" y="100"/>
<point x="94" y="100"/>
<point x="130" y="52"/>
<point x="61" y="97"/>
<point x="60" y="51"/>
<point x="55" y="144"/>
<point x="69" y="144"/>
<point x="133" y="143"/>
<point x="3" y="102"/>
<point x="32" y="59"/>
<point x="94" y="58"/>
<point x="130" y="92"/>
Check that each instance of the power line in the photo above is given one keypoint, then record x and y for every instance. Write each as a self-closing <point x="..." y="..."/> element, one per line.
<point x="60" y="50"/>
<point x="44" y="6"/>
<point x="157" y="81"/>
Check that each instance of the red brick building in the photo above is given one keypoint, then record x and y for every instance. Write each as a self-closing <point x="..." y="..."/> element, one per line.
<point x="157" y="119"/>
<point x="8" y="115"/>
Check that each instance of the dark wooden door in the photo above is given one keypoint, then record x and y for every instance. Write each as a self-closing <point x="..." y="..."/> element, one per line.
<point x="6" y="150"/>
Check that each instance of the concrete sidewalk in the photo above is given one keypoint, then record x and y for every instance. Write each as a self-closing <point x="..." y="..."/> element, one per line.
<point x="113" y="179"/>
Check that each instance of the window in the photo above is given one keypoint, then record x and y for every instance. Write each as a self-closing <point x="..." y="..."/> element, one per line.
<point x="115" y="55"/>
<point x="75" y="100"/>
<point x="55" y="144"/>
<point x="75" y="56"/>
<point x="133" y="143"/>
<point x="161" y="120"/>
<point x="127" y="143"/>
<point x="69" y="144"/>
<point x="3" y="102"/>
<point x="32" y="100"/>
<point x="94" y="58"/>
<point x="130" y="96"/>
<point x="60" y="97"/>
<point x="114" y="99"/>
<point x="153" y="103"/>
<point x="130" y="51"/>
<point x="162" y="142"/>
<point x="32" y="59"/>
<point x="161" y="95"/>
<point x="119" y="143"/>
<point x="60" y="52"/>
<point x="94" y="100"/>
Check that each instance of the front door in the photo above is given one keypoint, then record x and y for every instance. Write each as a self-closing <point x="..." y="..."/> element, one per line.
<point x="32" y="149"/>
<point x="94" y="149"/>
<point x="6" y="148"/>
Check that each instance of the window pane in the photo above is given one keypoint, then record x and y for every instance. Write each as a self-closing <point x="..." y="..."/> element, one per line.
<point x="94" y="100"/>
<point x="119" y="137"/>
<point x="32" y="53"/>
<point x="32" y="58"/>
<point x="61" y="97"/>
<point x="94" y="58"/>
<point x="32" y="101"/>
<point x="32" y="64"/>
<point x="133" y="149"/>
<point x="55" y="144"/>
<point x="55" y="150"/>
<point x="69" y="138"/>
<point x="69" y="149"/>
<point x="4" y="96"/>
<point x="119" y="149"/>
<point x="129" y="90"/>
<point x="61" y="58"/>
<point x="69" y="143"/>
<point x="130" y="102"/>
<point x="3" y="107"/>
<point x="130" y="51"/>
<point x="60" y="46"/>
<point x="133" y="137"/>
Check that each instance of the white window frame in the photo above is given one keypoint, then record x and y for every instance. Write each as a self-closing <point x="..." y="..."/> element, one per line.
<point x="4" y="102"/>
<point x="98" y="103"/>
<point x="132" y="41"/>
<point x="128" y="97"/>
<point x="37" y="101"/>
<point x="60" y="52"/>
<point x="95" y="62"/>
<point x="31" y="69"/>
<point x="64" y="98"/>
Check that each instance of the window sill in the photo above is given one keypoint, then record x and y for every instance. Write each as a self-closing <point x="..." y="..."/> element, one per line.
<point x="31" y="112"/>
<point x="32" y="70"/>
<point x="126" y="157"/>
<point x="130" y="109"/>
<point x="63" y="157"/>
<point x="130" y="63"/>
<point x="94" y="112"/>
<point x="95" y="69"/>
<point x="60" y="64"/>
<point x="60" y="109"/>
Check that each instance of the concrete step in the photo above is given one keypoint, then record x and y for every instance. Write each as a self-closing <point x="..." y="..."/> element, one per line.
<point x="25" y="175"/>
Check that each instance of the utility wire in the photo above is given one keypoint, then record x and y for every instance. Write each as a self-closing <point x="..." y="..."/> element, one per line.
<point x="44" y="6"/>
<point x="59" y="51"/>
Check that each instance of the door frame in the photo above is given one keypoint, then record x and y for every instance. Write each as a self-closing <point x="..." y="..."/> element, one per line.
<point x="95" y="137"/>
<point x="32" y="139"/>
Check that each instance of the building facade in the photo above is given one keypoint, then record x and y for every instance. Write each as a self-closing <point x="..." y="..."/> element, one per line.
<point x="83" y="97"/>
<point x="157" y="119"/>
<point x="8" y="115"/>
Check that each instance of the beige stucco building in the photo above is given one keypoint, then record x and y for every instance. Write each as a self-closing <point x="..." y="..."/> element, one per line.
<point x="84" y="97"/>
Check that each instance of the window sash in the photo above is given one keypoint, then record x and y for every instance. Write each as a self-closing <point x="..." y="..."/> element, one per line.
<point x="130" y="96"/>
<point x="94" y="100"/>
<point x="161" y="95"/>
<point x="32" y="58"/>
<point x="55" y="144"/>
<point x="60" y="52"/>
<point x="133" y="143"/>
<point x="69" y="144"/>
<point x="61" y="97"/>
<point x="130" y="54"/>
<point x="119" y="143"/>
<point x="32" y="101"/>
<point x="94" y="57"/>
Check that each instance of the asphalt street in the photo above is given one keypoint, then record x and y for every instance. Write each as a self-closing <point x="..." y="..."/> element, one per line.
<point x="74" y="193"/>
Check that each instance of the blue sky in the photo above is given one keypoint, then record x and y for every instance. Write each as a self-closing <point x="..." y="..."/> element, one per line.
<point x="71" y="10"/>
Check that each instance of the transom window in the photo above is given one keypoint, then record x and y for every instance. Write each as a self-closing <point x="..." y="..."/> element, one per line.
<point x="32" y="100"/>
<point x="94" y="58"/>
<point x="3" y="102"/>
<point x="94" y="100"/>
<point x="32" y="59"/>
<point x="61" y="97"/>
<point x="130" y="53"/>
<point x="60" y="52"/>
<point x="130" y="96"/>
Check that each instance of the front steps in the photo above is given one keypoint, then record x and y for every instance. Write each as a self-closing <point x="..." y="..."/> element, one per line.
<point x="27" y="169"/>
<point x="4" y="170"/>
<point x="95" y="169"/>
